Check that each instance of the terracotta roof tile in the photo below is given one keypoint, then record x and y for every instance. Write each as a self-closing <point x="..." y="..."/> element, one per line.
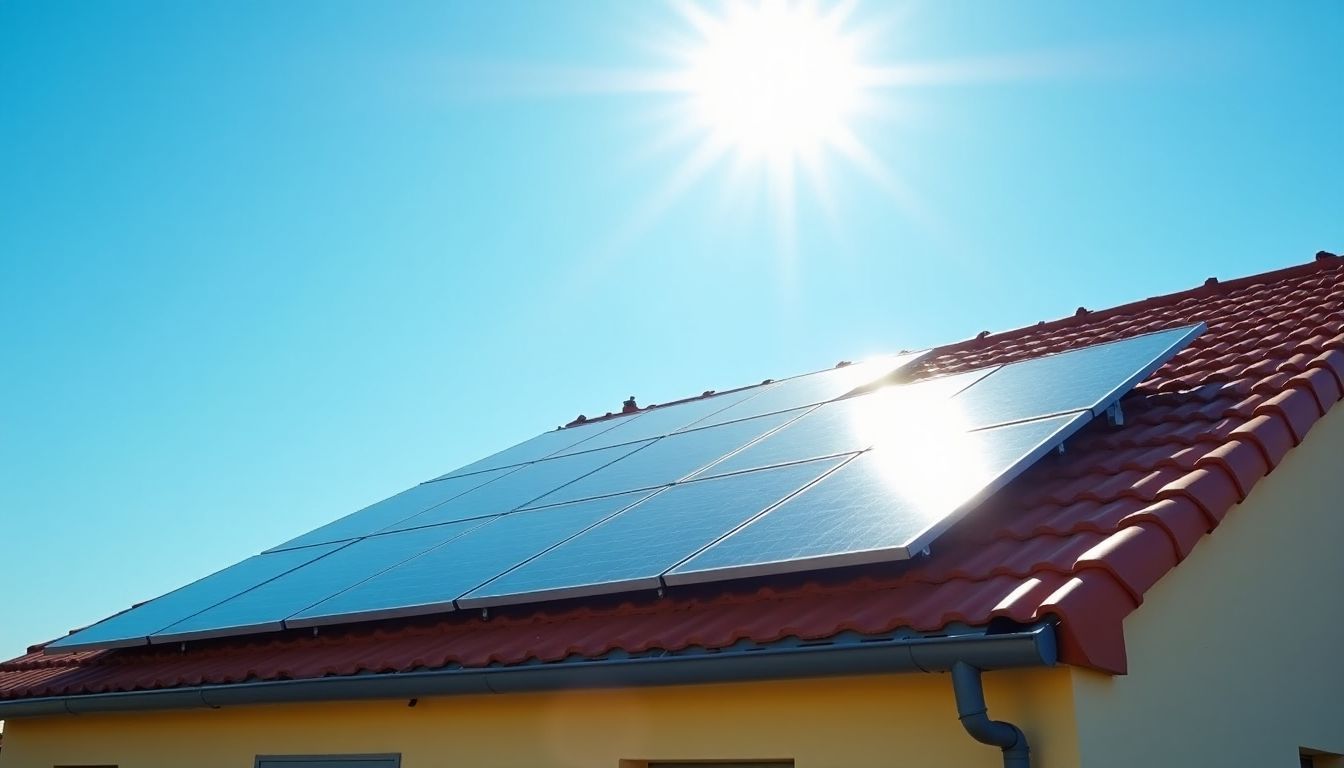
<point x="1080" y="537"/>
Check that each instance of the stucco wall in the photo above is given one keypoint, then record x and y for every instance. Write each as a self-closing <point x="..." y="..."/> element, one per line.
<point x="1236" y="658"/>
<point x="849" y="722"/>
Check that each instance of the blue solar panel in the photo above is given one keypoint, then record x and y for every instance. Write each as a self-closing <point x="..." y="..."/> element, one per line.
<point x="431" y="582"/>
<point x="524" y="485"/>
<point x="813" y="388"/>
<point x="392" y="510"/>
<point x="539" y="447"/>
<point x="631" y="550"/>
<point x="668" y="459"/>
<point x="662" y="421"/>
<point x="1089" y="378"/>
<point x="609" y="506"/>
<point x="134" y="627"/>
<point x="264" y="607"/>
<point x="850" y="425"/>
<point x="886" y="504"/>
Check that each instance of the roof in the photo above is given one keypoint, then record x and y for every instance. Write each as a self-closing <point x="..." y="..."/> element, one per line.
<point x="1079" y="538"/>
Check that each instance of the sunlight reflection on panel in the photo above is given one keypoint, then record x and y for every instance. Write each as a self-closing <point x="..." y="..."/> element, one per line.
<point x="897" y="418"/>
<point x="921" y="449"/>
<point x="886" y="504"/>
<point x="853" y="424"/>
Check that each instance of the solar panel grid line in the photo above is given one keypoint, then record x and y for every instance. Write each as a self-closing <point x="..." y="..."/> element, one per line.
<point x="264" y="607"/>
<point x="653" y="423"/>
<point x="687" y="471"/>
<point x="845" y="425"/>
<point x="630" y="550"/>
<point x="350" y="527"/>
<point x="898" y="362"/>
<point x="299" y="620"/>
<point x="543" y="446"/>
<point x="289" y="621"/>
<point x="1055" y="430"/>
<point x="533" y="481"/>
<point x="836" y="383"/>
<point x="663" y="576"/>
<point x="140" y="622"/>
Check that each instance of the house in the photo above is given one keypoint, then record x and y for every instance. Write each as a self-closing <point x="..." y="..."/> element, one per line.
<point x="1167" y="591"/>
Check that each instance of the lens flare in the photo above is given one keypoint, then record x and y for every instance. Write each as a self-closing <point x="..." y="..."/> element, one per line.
<point x="775" y="80"/>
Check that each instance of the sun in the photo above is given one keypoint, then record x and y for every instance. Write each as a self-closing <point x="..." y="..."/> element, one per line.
<point x="773" y="81"/>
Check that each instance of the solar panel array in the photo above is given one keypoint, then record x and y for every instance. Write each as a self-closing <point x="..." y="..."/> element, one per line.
<point x="834" y="468"/>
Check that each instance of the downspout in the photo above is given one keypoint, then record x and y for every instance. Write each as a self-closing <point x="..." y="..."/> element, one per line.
<point x="974" y="716"/>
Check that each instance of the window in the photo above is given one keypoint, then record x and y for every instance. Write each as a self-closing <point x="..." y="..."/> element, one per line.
<point x="328" y="761"/>
<point x="1314" y="758"/>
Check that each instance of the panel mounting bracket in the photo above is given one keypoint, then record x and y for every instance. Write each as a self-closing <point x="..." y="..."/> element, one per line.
<point x="1115" y="414"/>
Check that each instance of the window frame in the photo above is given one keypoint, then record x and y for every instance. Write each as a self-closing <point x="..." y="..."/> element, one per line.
<point x="393" y="758"/>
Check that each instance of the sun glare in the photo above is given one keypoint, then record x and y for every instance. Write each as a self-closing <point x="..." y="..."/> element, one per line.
<point x="775" y="80"/>
<point x="921" y="448"/>
<point x="777" y="101"/>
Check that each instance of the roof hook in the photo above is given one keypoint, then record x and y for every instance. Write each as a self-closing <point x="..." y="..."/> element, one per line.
<point x="1115" y="414"/>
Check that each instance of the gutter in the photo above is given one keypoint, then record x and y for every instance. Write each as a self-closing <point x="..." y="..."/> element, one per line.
<point x="981" y="649"/>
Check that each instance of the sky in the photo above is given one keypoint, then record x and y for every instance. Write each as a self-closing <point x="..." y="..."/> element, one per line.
<point x="262" y="264"/>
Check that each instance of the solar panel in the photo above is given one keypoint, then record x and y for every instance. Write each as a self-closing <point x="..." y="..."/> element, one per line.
<point x="539" y="447"/>
<point x="134" y="627"/>
<point x="886" y="504"/>
<point x="813" y="388"/>
<point x="1088" y="378"/>
<point x="834" y="468"/>
<point x="668" y="459"/>
<point x="847" y="426"/>
<point x="662" y="421"/>
<point x="264" y="607"/>
<point x="524" y="485"/>
<point x="632" y="549"/>
<point x="432" y="581"/>
<point x="390" y="511"/>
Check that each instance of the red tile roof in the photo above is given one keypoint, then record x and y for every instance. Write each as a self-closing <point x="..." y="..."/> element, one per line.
<point x="1081" y="537"/>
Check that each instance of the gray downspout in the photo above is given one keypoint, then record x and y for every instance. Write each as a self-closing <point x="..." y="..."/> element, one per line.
<point x="974" y="716"/>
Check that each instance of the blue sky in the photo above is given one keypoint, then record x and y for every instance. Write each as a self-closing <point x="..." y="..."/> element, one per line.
<point x="264" y="263"/>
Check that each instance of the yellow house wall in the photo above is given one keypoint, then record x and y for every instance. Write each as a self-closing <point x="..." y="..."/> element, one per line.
<point x="1236" y="658"/>
<point x="850" y="722"/>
